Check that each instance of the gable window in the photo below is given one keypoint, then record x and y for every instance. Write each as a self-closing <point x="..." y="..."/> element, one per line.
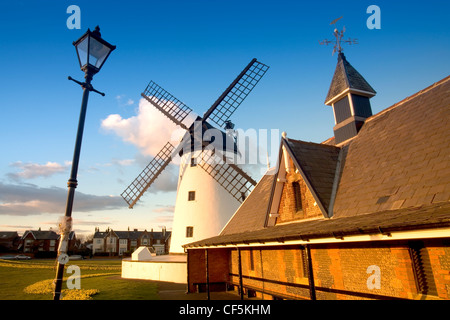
<point x="297" y="196"/>
<point x="189" y="232"/>
<point x="191" y="196"/>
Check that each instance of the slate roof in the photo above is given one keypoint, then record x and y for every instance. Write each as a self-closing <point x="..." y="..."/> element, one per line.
<point x="100" y="234"/>
<point x="253" y="211"/>
<point x="394" y="175"/>
<point x="400" y="158"/>
<point x="318" y="162"/>
<point x="8" y="235"/>
<point x="42" y="235"/>
<point x="347" y="77"/>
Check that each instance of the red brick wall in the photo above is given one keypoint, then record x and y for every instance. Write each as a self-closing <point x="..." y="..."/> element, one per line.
<point x="439" y="252"/>
<point x="218" y="266"/>
<point x="287" y="209"/>
<point x="345" y="268"/>
<point x="275" y="264"/>
<point x="340" y="270"/>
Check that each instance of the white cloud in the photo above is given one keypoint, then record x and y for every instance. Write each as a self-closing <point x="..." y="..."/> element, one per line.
<point x="29" y="199"/>
<point x="149" y="130"/>
<point x="35" y="170"/>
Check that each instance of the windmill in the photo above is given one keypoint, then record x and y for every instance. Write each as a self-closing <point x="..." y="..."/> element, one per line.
<point x="210" y="186"/>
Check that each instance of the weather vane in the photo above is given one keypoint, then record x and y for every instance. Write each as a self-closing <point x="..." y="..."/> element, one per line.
<point x="338" y="35"/>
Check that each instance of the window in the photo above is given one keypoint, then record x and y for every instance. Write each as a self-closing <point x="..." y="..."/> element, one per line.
<point x="252" y="260"/>
<point x="193" y="162"/>
<point x="189" y="232"/>
<point x="191" y="196"/>
<point x="298" y="196"/>
<point x="304" y="262"/>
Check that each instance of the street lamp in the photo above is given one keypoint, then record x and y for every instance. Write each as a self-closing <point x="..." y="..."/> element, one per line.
<point x="92" y="52"/>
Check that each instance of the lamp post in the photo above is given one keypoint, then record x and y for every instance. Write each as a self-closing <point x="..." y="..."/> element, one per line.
<point x="92" y="52"/>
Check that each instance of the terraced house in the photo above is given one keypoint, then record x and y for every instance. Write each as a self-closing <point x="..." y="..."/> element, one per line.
<point x="113" y="242"/>
<point x="363" y="215"/>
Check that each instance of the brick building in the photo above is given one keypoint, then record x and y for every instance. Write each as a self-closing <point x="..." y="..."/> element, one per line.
<point x="39" y="241"/>
<point x="9" y="241"/>
<point x="363" y="215"/>
<point x="120" y="242"/>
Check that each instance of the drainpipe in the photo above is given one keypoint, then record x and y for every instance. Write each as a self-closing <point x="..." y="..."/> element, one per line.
<point x="207" y="274"/>
<point x="187" y="271"/>
<point x="312" y="290"/>
<point x="241" y="289"/>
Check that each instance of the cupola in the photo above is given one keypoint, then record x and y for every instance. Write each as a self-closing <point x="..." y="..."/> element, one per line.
<point x="349" y="96"/>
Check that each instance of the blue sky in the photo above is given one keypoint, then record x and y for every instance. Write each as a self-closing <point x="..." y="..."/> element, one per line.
<point x="193" y="49"/>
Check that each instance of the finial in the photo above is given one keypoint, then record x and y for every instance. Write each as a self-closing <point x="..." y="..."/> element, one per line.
<point x="96" y="32"/>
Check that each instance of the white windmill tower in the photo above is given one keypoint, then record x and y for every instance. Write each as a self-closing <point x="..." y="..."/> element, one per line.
<point x="210" y="188"/>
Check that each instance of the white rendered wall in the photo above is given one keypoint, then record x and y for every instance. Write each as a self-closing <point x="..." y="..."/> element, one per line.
<point x="171" y="271"/>
<point x="207" y="214"/>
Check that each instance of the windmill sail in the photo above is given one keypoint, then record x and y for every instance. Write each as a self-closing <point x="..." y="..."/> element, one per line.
<point x="233" y="96"/>
<point x="170" y="106"/>
<point x="143" y="181"/>
<point x="228" y="175"/>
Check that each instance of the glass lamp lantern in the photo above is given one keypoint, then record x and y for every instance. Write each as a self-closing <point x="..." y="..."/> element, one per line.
<point x="92" y="51"/>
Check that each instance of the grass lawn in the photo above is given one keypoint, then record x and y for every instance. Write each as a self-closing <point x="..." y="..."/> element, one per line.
<point x="15" y="276"/>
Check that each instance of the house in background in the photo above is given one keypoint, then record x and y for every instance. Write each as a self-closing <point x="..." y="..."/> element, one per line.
<point x="113" y="242"/>
<point x="45" y="243"/>
<point x="363" y="215"/>
<point x="9" y="241"/>
<point x="34" y="241"/>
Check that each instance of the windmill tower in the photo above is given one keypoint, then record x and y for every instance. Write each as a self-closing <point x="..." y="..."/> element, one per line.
<point x="210" y="186"/>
